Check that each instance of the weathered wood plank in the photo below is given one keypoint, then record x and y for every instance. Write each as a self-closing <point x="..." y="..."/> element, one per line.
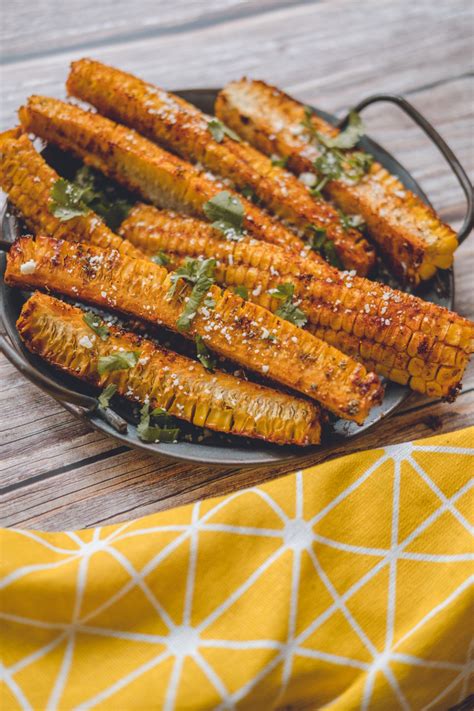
<point x="51" y="26"/>
<point x="387" y="46"/>
<point x="128" y="485"/>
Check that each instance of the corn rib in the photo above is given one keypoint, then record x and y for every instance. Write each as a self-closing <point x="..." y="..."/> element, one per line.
<point x="140" y="165"/>
<point x="233" y="328"/>
<point x="28" y="179"/>
<point x="57" y="332"/>
<point x="410" y="234"/>
<point x="184" y="129"/>
<point x="400" y="336"/>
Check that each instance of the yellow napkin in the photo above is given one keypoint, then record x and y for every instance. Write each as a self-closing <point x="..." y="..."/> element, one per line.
<point x="345" y="585"/>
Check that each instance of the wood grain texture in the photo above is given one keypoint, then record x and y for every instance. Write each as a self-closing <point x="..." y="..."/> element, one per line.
<point x="57" y="473"/>
<point x="334" y="52"/>
<point x="90" y="23"/>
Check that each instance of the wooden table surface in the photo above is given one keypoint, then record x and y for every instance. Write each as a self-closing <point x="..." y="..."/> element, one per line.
<point x="55" y="471"/>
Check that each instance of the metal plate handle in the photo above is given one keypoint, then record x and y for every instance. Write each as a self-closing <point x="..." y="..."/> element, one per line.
<point x="440" y="144"/>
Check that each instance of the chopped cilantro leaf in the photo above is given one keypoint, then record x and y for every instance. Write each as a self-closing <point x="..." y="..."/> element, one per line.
<point x="209" y="303"/>
<point x="348" y="137"/>
<point x="106" y="395"/>
<point x="351" y="221"/>
<point x="321" y="243"/>
<point x="120" y="360"/>
<point x="96" y="324"/>
<point x="161" y="258"/>
<point x="330" y="254"/>
<point x="218" y="130"/>
<point x="249" y="194"/>
<point x="68" y="200"/>
<point x="292" y="313"/>
<point x="241" y="291"/>
<point x="336" y="160"/>
<point x="103" y="196"/>
<point x="164" y="431"/>
<point x="200" y="273"/>
<point x="204" y="355"/>
<point x="226" y="213"/>
<point x="283" y="291"/>
<point x="89" y="191"/>
<point x="288" y="310"/>
<point x="279" y="162"/>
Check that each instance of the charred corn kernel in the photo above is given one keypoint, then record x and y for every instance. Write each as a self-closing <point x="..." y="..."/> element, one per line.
<point x="233" y="328"/>
<point x="433" y="389"/>
<point x="411" y="235"/>
<point x="382" y="327"/>
<point x="140" y="165"/>
<point x="54" y="330"/>
<point x="28" y="180"/>
<point x="184" y="129"/>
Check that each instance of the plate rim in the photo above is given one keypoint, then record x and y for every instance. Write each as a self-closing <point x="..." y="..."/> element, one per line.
<point x="222" y="455"/>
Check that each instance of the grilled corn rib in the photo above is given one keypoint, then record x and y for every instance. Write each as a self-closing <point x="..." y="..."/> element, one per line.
<point x="184" y="129"/>
<point x="232" y="327"/>
<point x="410" y="234"/>
<point x="400" y="336"/>
<point x="57" y="332"/>
<point x="140" y="165"/>
<point x="28" y="180"/>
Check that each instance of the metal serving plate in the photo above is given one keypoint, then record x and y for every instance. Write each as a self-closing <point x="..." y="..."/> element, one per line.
<point x="214" y="450"/>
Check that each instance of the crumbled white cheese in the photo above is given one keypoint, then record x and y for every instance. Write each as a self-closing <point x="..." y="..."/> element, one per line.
<point x="85" y="341"/>
<point x="308" y="179"/>
<point x="296" y="130"/>
<point x="28" y="267"/>
<point x="265" y="368"/>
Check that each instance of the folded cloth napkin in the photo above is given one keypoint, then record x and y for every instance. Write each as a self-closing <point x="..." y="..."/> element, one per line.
<point x="345" y="586"/>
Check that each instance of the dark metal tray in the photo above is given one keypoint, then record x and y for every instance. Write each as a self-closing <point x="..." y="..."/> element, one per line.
<point x="80" y="399"/>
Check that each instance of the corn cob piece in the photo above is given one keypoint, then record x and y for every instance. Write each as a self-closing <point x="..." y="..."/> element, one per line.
<point x="232" y="327"/>
<point x="140" y="165"/>
<point x="183" y="129"/>
<point x="57" y="332"/>
<point x="414" y="240"/>
<point x="406" y="339"/>
<point x="28" y="180"/>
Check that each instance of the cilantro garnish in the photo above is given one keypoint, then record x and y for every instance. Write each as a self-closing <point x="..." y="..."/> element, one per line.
<point x="249" y="194"/>
<point x="218" y="130"/>
<point x="200" y="273"/>
<point x="288" y="310"/>
<point x="348" y="137"/>
<point x="165" y="429"/>
<point x="120" y="360"/>
<point x="209" y="303"/>
<point x="334" y="162"/>
<point x="106" y="395"/>
<point x="279" y="162"/>
<point x="161" y="258"/>
<point x="320" y="242"/>
<point x="68" y="200"/>
<point x="226" y="213"/>
<point x="241" y="291"/>
<point x="96" y="324"/>
<point x="89" y="191"/>
<point x="204" y="355"/>
<point x="351" y="221"/>
<point x="103" y="196"/>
